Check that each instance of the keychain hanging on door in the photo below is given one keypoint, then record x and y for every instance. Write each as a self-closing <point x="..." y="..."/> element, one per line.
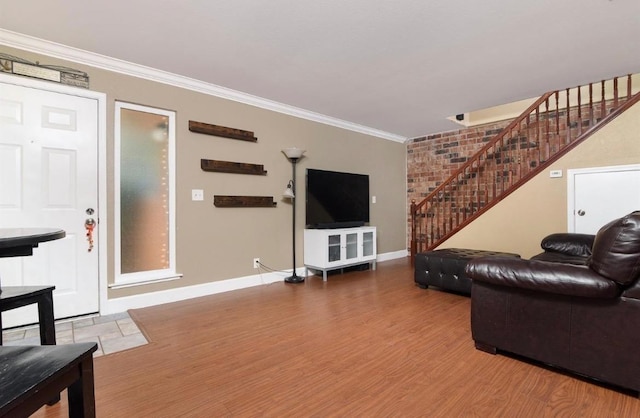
<point x="89" y="225"/>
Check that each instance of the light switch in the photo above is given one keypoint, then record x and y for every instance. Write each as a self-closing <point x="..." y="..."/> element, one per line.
<point x="197" y="194"/>
<point x="373" y="199"/>
<point x="555" y="173"/>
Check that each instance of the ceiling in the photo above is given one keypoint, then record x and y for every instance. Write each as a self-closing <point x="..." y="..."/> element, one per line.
<point x="398" y="66"/>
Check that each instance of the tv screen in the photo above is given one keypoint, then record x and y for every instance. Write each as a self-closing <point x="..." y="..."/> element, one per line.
<point x="336" y="200"/>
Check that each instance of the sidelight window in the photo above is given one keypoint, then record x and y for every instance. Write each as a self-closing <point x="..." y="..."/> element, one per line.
<point x="144" y="194"/>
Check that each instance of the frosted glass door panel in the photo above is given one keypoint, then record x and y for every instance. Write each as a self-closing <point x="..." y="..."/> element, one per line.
<point x="334" y="248"/>
<point x="367" y="244"/>
<point x="352" y="246"/>
<point x="144" y="191"/>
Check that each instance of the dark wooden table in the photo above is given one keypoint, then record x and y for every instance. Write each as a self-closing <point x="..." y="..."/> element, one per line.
<point x="31" y="376"/>
<point x="19" y="242"/>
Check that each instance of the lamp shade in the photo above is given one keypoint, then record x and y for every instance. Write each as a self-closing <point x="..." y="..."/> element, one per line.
<point x="293" y="153"/>
<point x="288" y="192"/>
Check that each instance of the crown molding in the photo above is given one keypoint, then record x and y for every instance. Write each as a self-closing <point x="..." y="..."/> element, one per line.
<point x="55" y="50"/>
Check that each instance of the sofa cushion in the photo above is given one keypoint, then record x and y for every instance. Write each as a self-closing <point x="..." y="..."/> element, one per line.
<point x="616" y="250"/>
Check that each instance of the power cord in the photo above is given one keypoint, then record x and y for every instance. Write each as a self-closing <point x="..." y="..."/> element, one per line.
<point x="270" y="270"/>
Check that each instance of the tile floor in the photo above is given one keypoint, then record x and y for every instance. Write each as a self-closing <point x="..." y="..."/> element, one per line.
<point x="113" y="333"/>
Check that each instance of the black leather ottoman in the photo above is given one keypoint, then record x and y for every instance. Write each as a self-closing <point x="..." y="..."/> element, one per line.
<point x="445" y="268"/>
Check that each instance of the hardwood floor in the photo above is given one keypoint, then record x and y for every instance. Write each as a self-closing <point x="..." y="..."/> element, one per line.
<point x="363" y="344"/>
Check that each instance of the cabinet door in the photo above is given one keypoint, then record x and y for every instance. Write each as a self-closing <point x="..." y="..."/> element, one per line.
<point x="367" y="244"/>
<point x="351" y="246"/>
<point x="334" y="244"/>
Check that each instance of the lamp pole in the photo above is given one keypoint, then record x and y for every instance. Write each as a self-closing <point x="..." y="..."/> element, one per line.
<point x="293" y="154"/>
<point x="294" y="278"/>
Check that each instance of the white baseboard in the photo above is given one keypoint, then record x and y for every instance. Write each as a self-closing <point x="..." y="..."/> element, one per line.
<point x="183" y="293"/>
<point x="392" y="256"/>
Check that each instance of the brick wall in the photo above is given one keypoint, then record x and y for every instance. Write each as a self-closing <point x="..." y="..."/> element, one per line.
<point x="432" y="159"/>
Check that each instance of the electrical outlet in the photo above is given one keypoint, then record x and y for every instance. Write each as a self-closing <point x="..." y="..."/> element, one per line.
<point x="256" y="263"/>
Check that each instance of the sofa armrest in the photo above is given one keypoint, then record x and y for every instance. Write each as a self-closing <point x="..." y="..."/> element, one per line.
<point x="569" y="243"/>
<point x="553" y="257"/>
<point x="561" y="279"/>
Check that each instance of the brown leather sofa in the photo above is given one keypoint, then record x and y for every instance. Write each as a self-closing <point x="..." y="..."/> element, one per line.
<point x="584" y="319"/>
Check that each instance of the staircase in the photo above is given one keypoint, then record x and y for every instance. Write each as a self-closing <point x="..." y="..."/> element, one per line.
<point x="552" y="126"/>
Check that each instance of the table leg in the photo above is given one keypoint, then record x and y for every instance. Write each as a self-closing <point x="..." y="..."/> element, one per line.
<point x="47" y="327"/>
<point x="47" y="322"/>
<point x="81" y="393"/>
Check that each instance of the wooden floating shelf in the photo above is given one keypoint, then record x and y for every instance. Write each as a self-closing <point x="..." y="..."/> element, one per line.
<point x="244" y="202"/>
<point x="223" y="131"/>
<point x="231" y="167"/>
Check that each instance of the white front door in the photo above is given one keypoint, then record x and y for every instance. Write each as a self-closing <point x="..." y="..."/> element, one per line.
<point x="49" y="178"/>
<point x="600" y="195"/>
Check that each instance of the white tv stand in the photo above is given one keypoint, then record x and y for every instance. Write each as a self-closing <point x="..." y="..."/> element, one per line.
<point x="332" y="249"/>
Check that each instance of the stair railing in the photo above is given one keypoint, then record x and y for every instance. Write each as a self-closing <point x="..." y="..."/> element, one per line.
<point x="546" y="130"/>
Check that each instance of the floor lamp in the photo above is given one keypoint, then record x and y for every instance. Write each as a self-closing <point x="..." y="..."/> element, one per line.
<point x="293" y="154"/>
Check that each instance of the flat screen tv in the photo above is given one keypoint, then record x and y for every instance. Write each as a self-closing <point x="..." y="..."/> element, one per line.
<point x="336" y="200"/>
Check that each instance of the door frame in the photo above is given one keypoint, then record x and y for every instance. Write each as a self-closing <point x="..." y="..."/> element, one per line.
<point x="103" y="224"/>
<point x="571" y="189"/>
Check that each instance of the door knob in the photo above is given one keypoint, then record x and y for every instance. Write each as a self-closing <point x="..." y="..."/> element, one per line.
<point x="581" y="212"/>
